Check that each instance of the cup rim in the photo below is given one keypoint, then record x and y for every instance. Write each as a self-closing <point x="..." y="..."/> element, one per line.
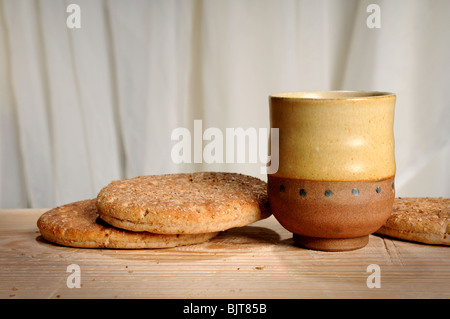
<point x="331" y="95"/>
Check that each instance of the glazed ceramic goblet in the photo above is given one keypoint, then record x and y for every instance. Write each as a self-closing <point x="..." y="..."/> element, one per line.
<point x="335" y="181"/>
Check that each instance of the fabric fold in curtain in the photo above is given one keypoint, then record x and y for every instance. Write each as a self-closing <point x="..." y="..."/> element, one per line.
<point x="82" y="107"/>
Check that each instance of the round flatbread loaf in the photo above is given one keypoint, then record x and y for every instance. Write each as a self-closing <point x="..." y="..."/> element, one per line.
<point x="420" y="219"/>
<point x="78" y="225"/>
<point x="194" y="203"/>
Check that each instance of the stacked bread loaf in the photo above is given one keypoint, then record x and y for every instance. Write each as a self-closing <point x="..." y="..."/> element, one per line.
<point x="158" y="211"/>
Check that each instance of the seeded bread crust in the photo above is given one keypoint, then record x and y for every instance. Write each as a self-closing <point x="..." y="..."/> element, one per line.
<point x="194" y="203"/>
<point x="78" y="225"/>
<point x="420" y="219"/>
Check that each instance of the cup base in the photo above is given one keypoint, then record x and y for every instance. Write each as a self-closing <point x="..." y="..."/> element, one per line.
<point x="331" y="244"/>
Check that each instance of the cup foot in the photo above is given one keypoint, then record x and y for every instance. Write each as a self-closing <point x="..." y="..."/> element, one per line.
<point x="331" y="244"/>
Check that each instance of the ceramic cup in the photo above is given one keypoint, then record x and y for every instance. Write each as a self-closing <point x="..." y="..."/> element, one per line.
<point x="335" y="181"/>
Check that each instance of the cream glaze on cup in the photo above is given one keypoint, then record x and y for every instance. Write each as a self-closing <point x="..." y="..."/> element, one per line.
<point x="335" y="182"/>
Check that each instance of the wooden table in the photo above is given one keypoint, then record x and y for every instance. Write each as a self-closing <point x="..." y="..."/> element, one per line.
<point x="256" y="261"/>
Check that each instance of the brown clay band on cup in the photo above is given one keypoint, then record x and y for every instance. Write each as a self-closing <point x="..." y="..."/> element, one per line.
<point x="332" y="210"/>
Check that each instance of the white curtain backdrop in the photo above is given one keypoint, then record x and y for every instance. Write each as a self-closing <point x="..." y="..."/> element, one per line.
<point x="82" y="107"/>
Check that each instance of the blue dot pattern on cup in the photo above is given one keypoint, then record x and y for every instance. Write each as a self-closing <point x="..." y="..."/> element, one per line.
<point x="328" y="193"/>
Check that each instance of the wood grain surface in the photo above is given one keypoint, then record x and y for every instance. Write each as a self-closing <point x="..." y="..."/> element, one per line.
<point x="256" y="261"/>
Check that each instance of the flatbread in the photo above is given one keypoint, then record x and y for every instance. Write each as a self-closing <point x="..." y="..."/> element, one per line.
<point x="78" y="225"/>
<point x="419" y="219"/>
<point x="194" y="203"/>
